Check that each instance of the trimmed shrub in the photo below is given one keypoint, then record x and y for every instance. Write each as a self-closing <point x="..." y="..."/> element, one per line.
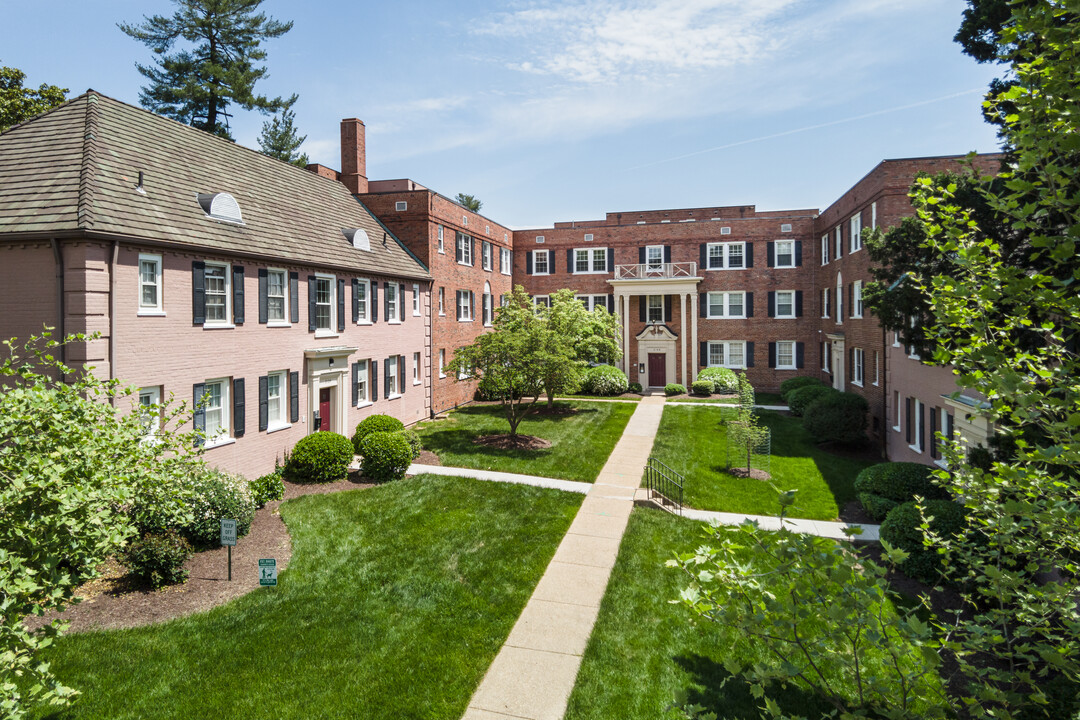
<point x="674" y="389"/>
<point x="387" y="455"/>
<point x="724" y="381"/>
<point x="800" y="398"/>
<point x="876" y="506"/>
<point x="899" y="481"/>
<point x="836" y="417"/>
<point x="702" y="387"/>
<point x="415" y="445"/>
<point x="636" y="388"/>
<point x="214" y="495"/>
<point x="792" y="384"/>
<point x="321" y="457"/>
<point x="268" y="487"/>
<point x="901" y="529"/>
<point x="374" y="423"/>
<point x="604" y="380"/>
<point x="158" y="559"/>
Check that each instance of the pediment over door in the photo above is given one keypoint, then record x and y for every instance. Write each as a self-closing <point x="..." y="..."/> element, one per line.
<point x="656" y="332"/>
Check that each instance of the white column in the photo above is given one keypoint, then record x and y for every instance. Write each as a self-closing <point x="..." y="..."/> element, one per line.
<point x="626" y="337"/>
<point x="694" y="315"/>
<point x="682" y="339"/>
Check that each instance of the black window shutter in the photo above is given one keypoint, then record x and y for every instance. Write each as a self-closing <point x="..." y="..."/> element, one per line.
<point x="703" y="304"/>
<point x="667" y="254"/>
<point x="355" y="301"/>
<point x="374" y="301"/>
<point x="749" y="255"/>
<point x="750" y="354"/>
<point x="641" y="256"/>
<point x="198" y="419"/>
<point x="703" y="353"/>
<point x="643" y="306"/>
<point x="749" y="305"/>
<point x="373" y="381"/>
<point x="457" y="304"/>
<point x="386" y="300"/>
<point x="472" y="251"/>
<point x="611" y="303"/>
<point x="667" y="308"/>
<point x="703" y="251"/>
<point x="851" y="364"/>
<point x="922" y="426"/>
<point x="341" y="305"/>
<point x="800" y="355"/>
<point x="798" y="303"/>
<point x="294" y="297"/>
<point x="238" y="294"/>
<point x="821" y="352"/>
<point x="459" y="247"/>
<point x="311" y="303"/>
<point x="472" y="305"/>
<point x="770" y="253"/>
<point x="355" y="383"/>
<point x="569" y="262"/>
<point x="238" y="407"/>
<point x="387" y="364"/>
<point x="934" y="449"/>
<point x="840" y="249"/>
<point x="198" y="292"/>
<point x="294" y="397"/>
<point x="264" y="402"/>
<point x="772" y="304"/>
<point x="528" y="262"/>
<point x="772" y="355"/>
<point x="401" y="375"/>
<point x="611" y="259"/>
<point x="405" y="310"/>
<point x="798" y="253"/>
<point x="263" y="313"/>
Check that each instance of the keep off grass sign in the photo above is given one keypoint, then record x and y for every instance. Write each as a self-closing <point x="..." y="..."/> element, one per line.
<point x="228" y="532"/>
<point x="267" y="572"/>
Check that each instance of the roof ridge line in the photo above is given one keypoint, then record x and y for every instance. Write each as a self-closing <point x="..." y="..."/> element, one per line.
<point x="88" y="170"/>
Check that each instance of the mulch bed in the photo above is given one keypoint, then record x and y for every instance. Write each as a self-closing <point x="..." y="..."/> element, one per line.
<point x="513" y="442"/>
<point x="113" y="601"/>
<point x="751" y="473"/>
<point x="853" y="512"/>
<point x="427" y="457"/>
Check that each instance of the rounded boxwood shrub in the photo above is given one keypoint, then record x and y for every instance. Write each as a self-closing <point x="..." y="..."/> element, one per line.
<point x="900" y="481"/>
<point x="415" y="446"/>
<point x="158" y="559"/>
<point x="674" y="389"/>
<point x="901" y="529"/>
<point x="214" y="495"/>
<point x="837" y="417"/>
<point x="604" y="380"/>
<point x="800" y="398"/>
<point x="387" y="456"/>
<point x="636" y="388"/>
<point x="876" y="506"/>
<point x="321" y="457"/>
<point x="268" y="487"/>
<point x="702" y="387"/>
<point x="792" y="384"/>
<point x="724" y="380"/>
<point x="374" y="423"/>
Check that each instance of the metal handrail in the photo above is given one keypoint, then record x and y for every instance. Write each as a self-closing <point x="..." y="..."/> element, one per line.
<point x="653" y="271"/>
<point x="665" y="486"/>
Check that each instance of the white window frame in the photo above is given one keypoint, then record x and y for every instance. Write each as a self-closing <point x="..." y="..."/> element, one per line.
<point x="855" y="240"/>
<point x="877" y="368"/>
<point x="826" y="303"/>
<point x="485" y="254"/>
<point x="776" y="304"/>
<point x="725" y="347"/>
<point x="465" y="241"/>
<point x="227" y="321"/>
<point x="858" y="366"/>
<point x="650" y="265"/>
<point x="649" y="310"/>
<point x="725" y="302"/>
<point x="416" y="299"/>
<point x="539" y="300"/>
<point x="158" y="307"/>
<point x="283" y="321"/>
<point x="546" y="254"/>
<point x="589" y="237"/>
<point x="363" y="316"/>
<point x="401" y="206"/>
<point x="442" y="363"/>
<point x="839" y="243"/>
<point x="724" y="255"/>
<point x="825" y="249"/>
<point x="856" y="297"/>
<point x="222" y="436"/>
<point x="791" y="253"/>
<point x="873" y="215"/>
<point x="896" y="411"/>
<point x="392" y="303"/>
<point x="363" y="380"/>
<point x="916" y="426"/>
<point x="281" y="421"/>
<point x="826" y="357"/>
<point x="442" y="250"/>
<point x="442" y="301"/>
<point x="595" y="301"/>
<point x="331" y="280"/>
<point x="463" y="304"/>
<point x="792" y="347"/>
<point x="504" y="261"/>
<point x="591" y="261"/>
<point x="416" y="380"/>
<point x="392" y="379"/>
<point x="150" y="410"/>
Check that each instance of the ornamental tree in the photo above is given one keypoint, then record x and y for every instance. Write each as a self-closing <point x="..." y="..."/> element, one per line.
<point x="578" y="337"/>
<point x="18" y="103"/>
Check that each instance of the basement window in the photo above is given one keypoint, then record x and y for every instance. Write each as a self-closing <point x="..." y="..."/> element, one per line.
<point x="220" y="206"/>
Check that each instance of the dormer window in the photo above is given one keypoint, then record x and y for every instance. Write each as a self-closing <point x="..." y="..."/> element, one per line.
<point x="358" y="238"/>
<point x="220" y="206"/>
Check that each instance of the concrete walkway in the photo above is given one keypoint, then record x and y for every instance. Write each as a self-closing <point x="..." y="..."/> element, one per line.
<point x="495" y="476"/>
<point x="533" y="674"/>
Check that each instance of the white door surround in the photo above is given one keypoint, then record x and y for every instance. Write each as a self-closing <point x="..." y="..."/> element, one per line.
<point x="655" y="339"/>
<point x="329" y="368"/>
<point x="839" y="359"/>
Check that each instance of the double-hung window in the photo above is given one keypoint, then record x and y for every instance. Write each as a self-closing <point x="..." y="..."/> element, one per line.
<point x="785" y="304"/>
<point x="442" y="363"/>
<point x="877" y="367"/>
<point x="275" y="400"/>
<point x="362" y="395"/>
<point x="362" y="301"/>
<point x="857" y="304"/>
<point x="150" y="285"/>
<point x="654" y="257"/>
<point x="655" y="309"/>
<point x="858" y="358"/>
<point x="485" y="254"/>
<point x="826" y="357"/>
<point x="726" y="305"/>
<point x="727" y="353"/>
<point x="216" y="409"/>
<point x="464" y="249"/>
<point x="416" y="368"/>
<point x="442" y="251"/>
<point x="825" y="249"/>
<point x="442" y="301"/>
<point x="464" y="306"/>
<point x="855" y="241"/>
<point x="149" y="410"/>
<point x="785" y="253"/>
<point x="218" y="295"/>
<point x="392" y="303"/>
<point x="324" y="303"/>
<point x="277" y="289"/>
<point x="839" y="244"/>
<point x="915" y="424"/>
<point x="726" y="256"/>
<point x="541" y="262"/>
<point x="592" y="260"/>
<point x="416" y="300"/>
<point x="785" y="355"/>
<point x="504" y="261"/>
<point x="541" y="300"/>
<point x="825" y="309"/>
<point x="594" y="301"/>
<point x="393" y="389"/>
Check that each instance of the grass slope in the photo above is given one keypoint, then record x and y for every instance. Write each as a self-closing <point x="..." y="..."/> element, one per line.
<point x="692" y="442"/>
<point x="580" y="442"/>
<point x="394" y="605"/>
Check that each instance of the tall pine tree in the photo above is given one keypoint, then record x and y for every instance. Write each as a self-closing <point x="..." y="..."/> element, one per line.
<point x="198" y="85"/>
<point x="280" y="140"/>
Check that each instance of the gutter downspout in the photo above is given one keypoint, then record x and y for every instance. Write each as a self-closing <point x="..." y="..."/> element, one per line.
<point x="112" y="312"/>
<point x="59" y="297"/>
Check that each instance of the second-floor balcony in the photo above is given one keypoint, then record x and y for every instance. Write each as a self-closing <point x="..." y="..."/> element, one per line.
<point x="656" y="271"/>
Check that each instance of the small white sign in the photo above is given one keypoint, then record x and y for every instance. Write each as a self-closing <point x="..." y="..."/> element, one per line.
<point x="228" y="532"/>
<point x="267" y="572"/>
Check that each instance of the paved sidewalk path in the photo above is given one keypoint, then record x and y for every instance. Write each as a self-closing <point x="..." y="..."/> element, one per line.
<point x="495" y="476"/>
<point x="533" y="674"/>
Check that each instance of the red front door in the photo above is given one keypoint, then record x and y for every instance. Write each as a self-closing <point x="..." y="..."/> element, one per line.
<point x="657" y="369"/>
<point x="324" y="409"/>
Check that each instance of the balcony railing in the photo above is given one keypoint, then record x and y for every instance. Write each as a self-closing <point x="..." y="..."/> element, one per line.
<point x="656" y="271"/>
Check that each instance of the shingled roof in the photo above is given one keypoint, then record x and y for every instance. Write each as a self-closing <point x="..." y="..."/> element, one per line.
<point x="74" y="171"/>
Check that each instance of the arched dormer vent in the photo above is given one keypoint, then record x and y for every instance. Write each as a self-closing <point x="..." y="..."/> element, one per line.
<point x="221" y="206"/>
<point x="358" y="238"/>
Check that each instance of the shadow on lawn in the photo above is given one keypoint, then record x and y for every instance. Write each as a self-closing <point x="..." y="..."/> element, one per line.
<point x="729" y="695"/>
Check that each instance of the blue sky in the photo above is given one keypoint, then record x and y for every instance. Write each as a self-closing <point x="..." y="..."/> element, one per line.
<point x="551" y="111"/>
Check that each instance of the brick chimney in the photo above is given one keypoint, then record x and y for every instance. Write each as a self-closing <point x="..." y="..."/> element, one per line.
<point x="353" y="156"/>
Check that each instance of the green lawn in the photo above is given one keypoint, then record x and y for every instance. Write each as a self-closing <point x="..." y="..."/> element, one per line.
<point x="580" y="441"/>
<point x="624" y="398"/>
<point x="395" y="603"/>
<point x="761" y="398"/>
<point x="692" y="442"/>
